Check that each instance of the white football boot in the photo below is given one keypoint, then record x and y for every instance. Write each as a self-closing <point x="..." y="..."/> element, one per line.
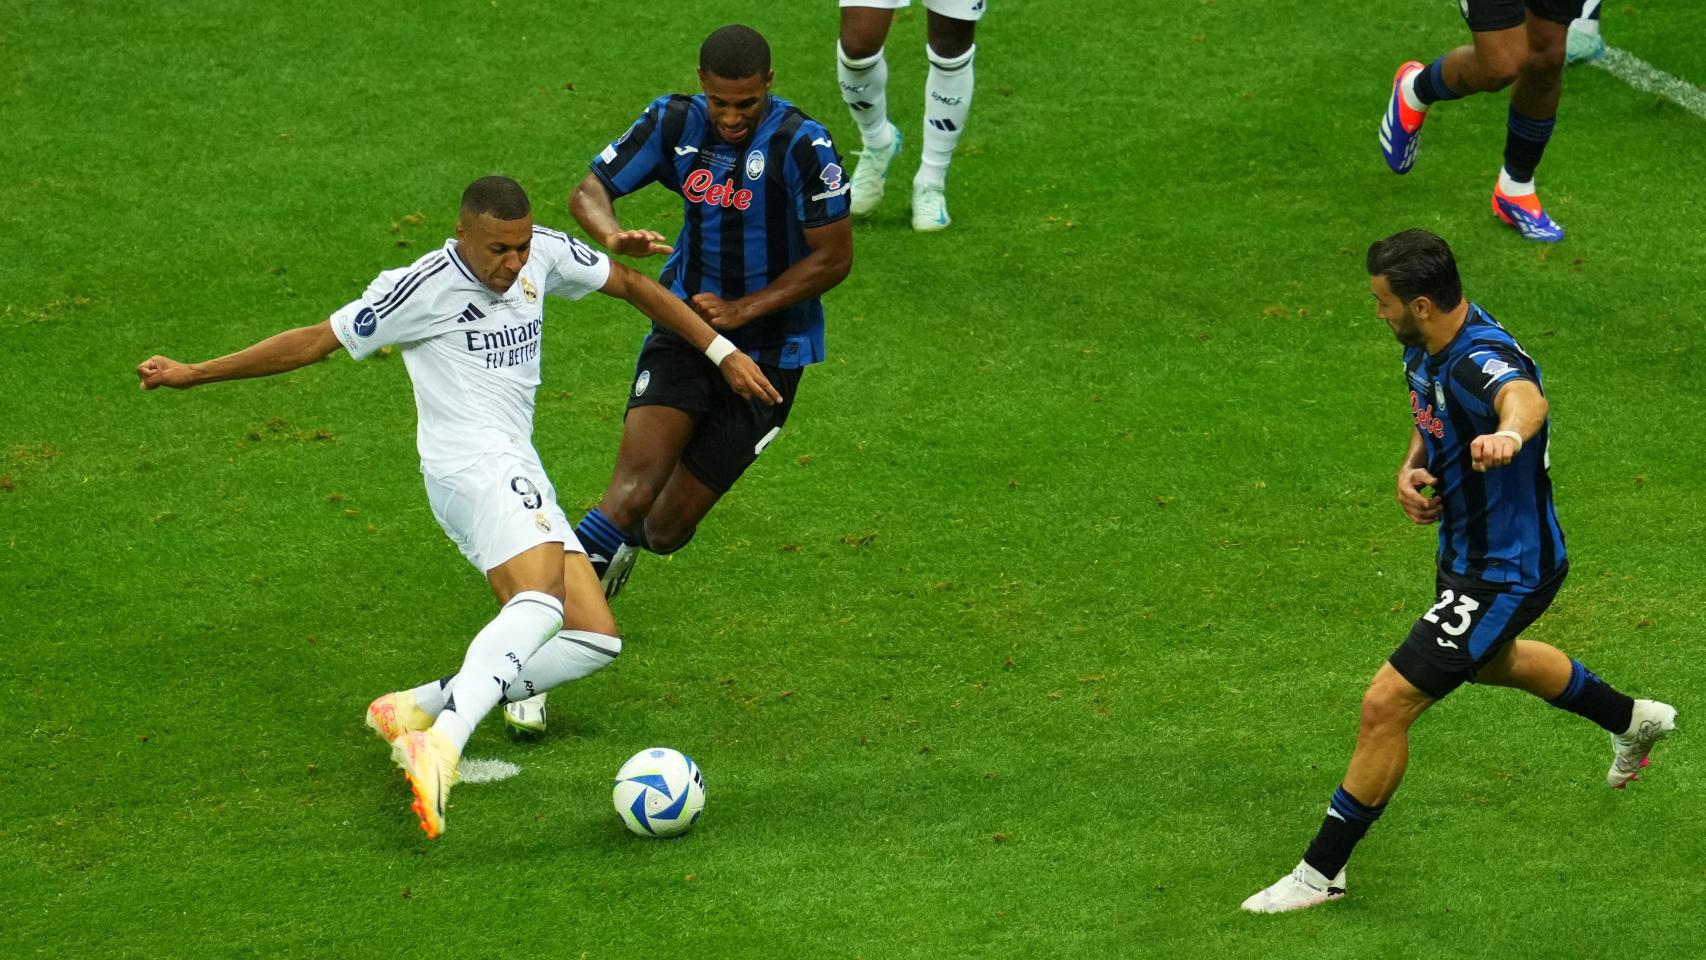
<point x="616" y="574"/>
<point x="1648" y="724"/>
<point x="1303" y="887"/>
<point x="527" y="719"/>
<point x="1581" y="46"/>
<point x="866" y="190"/>
<point x="929" y="208"/>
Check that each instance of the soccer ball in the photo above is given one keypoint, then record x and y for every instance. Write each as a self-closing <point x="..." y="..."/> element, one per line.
<point x="659" y="793"/>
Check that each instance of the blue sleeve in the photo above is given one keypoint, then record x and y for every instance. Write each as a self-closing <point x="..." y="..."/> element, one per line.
<point x="1482" y="372"/>
<point x="817" y="184"/>
<point x="633" y="160"/>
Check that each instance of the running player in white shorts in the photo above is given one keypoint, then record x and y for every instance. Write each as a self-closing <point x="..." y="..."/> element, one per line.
<point x="864" y="75"/>
<point x="468" y="319"/>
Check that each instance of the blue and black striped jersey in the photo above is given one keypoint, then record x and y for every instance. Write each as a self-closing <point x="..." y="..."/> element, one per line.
<point x="747" y="209"/>
<point x="1498" y="526"/>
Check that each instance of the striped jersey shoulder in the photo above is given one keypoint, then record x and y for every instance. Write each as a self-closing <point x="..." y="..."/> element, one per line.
<point x="673" y="110"/>
<point x="1484" y="324"/>
<point x="1486" y="337"/>
<point x="1493" y="336"/>
<point x="560" y="242"/>
<point x="803" y="124"/>
<point x="395" y="288"/>
<point x="782" y="126"/>
<point x="804" y="141"/>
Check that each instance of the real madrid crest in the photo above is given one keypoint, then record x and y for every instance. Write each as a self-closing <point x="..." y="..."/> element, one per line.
<point x="755" y="165"/>
<point x="529" y="291"/>
<point x="542" y="523"/>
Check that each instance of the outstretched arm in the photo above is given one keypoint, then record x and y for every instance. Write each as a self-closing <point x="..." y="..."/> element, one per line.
<point x="596" y="213"/>
<point x="651" y="299"/>
<point x="1522" y="410"/>
<point x="276" y="354"/>
<point x="828" y="263"/>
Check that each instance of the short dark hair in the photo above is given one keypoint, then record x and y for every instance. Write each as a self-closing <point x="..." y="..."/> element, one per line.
<point x="501" y="197"/>
<point x="1417" y="263"/>
<point x="735" y="52"/>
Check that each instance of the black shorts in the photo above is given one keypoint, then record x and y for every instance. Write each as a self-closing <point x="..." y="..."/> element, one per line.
<point x="1484" y="16"/>
<point x="1471" y="623"/>
<point x="729" y="432"/>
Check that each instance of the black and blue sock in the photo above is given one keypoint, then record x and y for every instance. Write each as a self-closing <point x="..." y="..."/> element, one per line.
<point x="1589" y="696"/>
<point x="1430" y="85"/>
<point x="1346" y="821"/>
<point x="1525" y="141"/>
<point x="601" y="537"/>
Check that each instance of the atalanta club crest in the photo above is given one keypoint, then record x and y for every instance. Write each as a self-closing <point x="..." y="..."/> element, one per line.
<point x="641" y="382"/>
<point x="755" y="165"/>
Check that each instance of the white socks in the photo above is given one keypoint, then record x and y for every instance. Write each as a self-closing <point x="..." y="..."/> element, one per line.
<point x="570" y="655"/>
<point x="864" y="87"/>
<point x="947" y="101"/>
<point x="494" y="661"/>
<point x="430" y="696"/>
<point x="1511" y="188"/>
<point x="1587" y="23"/>
<point x="1407" y="90"/>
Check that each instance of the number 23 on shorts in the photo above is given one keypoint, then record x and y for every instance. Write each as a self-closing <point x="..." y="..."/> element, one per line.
<point x="1464" y="613"/>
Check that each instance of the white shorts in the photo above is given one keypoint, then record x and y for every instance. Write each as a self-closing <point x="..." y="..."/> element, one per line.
<point x="955" y="9"/>
<point x="499" y="508"/>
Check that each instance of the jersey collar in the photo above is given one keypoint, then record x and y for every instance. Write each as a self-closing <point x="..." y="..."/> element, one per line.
<point x="1469" y="319"/>
<point x="456" y="261"/>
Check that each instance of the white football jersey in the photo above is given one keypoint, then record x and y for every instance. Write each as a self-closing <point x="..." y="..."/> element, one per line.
<point x="473" y="355"/>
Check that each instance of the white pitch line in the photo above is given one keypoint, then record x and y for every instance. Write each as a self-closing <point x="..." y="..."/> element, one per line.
<point x="486" y="771"/>
<point x="1642" y="75"/>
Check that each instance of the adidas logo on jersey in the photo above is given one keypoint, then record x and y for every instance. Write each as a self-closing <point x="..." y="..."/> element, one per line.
<point x="471" y="313"/>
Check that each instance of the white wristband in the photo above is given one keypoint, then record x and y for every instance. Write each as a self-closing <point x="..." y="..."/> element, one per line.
<point x="719" y="349"/>
<point x="1513" y="435"/>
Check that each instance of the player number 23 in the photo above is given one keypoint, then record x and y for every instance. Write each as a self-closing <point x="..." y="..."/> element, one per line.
<point x="1466" y="606"/>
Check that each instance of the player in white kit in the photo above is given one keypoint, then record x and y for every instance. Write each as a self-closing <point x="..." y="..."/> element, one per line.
<point x="468" y="319"/>
<point x="864" y="74"/>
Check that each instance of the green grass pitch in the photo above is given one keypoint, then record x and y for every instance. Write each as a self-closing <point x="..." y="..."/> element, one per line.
<point x="1039" y="633"/>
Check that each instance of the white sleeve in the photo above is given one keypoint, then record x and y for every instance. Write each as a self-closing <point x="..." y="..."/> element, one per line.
<point x="576" y="269"/>
<point x="395" y="309"/>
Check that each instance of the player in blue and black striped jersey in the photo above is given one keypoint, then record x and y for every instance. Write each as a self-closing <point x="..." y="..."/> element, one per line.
<point x="1480" y="443"/>
<point x="1501" y="526"/>
<point x="764" y="233"/>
